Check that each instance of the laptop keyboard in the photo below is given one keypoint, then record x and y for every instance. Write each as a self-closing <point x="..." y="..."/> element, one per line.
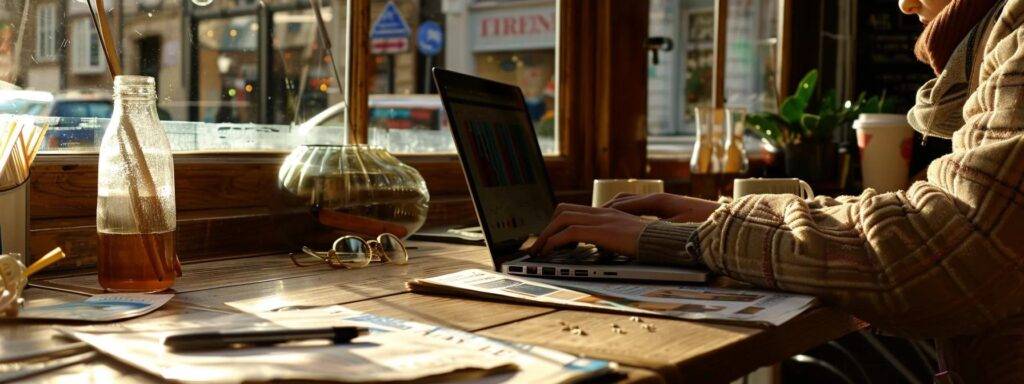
<point x="582" y="255"/>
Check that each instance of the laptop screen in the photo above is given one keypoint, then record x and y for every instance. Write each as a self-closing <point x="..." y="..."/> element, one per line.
<point x="501" y="157"/>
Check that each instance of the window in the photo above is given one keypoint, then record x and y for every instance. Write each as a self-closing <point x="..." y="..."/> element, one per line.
<point x="682" y="80"/>
<point x="86" y="55"/>
<point x="259" y="69"/>
<point x="231" y="74"/>
<point x="508" y="41"/>
<point x="46" y="32"/>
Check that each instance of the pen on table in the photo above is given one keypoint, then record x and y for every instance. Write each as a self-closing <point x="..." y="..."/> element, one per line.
<point x="227" y="339"/>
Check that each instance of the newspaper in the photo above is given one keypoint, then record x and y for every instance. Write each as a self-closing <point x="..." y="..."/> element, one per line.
<point x="395" y="350"/>
<point x="99" y="308"/>
<point x="678" y="301"/>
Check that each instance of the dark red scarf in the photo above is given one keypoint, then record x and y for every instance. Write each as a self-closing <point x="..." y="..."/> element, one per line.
<point x="944" y="33"/>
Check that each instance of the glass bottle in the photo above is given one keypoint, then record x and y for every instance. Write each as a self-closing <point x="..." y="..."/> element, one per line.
<point x="135" y="207"/>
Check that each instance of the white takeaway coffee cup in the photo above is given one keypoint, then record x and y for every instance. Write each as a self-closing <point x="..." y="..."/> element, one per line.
<point x="885" y="141"/>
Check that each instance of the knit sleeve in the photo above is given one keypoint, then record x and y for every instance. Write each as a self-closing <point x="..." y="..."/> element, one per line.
<point x="943" y="258"/>
<point x="669" y="244"/>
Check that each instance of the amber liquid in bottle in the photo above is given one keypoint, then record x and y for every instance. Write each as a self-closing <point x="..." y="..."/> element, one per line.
<point x="136" y="262"/>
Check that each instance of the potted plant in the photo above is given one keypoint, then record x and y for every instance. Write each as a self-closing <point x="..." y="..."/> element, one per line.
<point x="805" y="127"/>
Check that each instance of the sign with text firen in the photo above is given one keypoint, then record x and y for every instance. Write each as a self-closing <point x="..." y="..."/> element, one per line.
<point x="512" y="29"/>
<point x="390" y="33"/>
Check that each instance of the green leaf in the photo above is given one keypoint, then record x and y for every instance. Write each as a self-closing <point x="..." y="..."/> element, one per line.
<point x="791" y="110"/>
<point x="872" y="105"/>
<point x="885" y="105"/>
<point x="793" y="107"/>
<point x="806" y="88"/>
<point x="769" y="126"/>
<point x="763" y="125"/>
<point x="810" y="123"/>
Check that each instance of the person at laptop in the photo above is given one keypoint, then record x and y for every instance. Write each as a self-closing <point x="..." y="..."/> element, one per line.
<point x="943" y="259"/>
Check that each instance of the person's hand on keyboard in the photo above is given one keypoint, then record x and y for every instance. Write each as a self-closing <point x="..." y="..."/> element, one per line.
<point x="610" y="229"/>
<point x="680" y="209"/>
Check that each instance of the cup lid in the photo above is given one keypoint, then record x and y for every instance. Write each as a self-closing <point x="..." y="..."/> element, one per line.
<point x="880" y="119"/>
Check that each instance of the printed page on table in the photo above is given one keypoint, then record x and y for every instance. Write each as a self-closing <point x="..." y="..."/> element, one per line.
<point x="395" y="350"/>
<point x="99" y="308"/>
<point x="677" y="301"/>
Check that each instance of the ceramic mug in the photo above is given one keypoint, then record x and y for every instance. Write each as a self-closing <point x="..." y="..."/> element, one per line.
<point x="607" y="189"/>
<point x="759" y="186"/>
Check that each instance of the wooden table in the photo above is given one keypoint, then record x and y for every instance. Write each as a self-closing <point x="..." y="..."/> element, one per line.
<point x="679" y="351"/>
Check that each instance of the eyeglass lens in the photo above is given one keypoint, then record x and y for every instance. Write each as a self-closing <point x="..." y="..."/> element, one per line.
<point x="352" y="250"/>
<point x="394" y="248"/>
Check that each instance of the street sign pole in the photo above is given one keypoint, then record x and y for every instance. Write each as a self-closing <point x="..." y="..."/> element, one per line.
<point x="426" y="73"/>
<point x="391" y="73"/>
<point x="429" y="40"/>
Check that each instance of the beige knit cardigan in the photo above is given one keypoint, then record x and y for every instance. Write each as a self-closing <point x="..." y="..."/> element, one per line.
<point x="943" y="258"/>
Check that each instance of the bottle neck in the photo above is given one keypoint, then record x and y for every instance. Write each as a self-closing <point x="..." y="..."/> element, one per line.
<point x="119" y="99"/>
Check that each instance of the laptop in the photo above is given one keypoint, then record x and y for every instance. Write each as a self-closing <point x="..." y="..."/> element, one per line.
<point x="504" y="167"/>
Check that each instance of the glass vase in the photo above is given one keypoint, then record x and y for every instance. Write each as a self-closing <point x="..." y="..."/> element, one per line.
<point x="735" y="161"/>
<point x="705" y="159"/>
<point x="357" y="189"/>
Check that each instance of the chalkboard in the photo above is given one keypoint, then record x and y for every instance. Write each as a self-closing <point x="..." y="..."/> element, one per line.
<point x="885" y="52"/>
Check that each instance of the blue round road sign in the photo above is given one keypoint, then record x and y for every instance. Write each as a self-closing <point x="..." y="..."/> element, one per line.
<point x="430" y="38"/>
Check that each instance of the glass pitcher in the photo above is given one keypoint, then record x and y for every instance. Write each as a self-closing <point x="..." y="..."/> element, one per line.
<point x="135" y="207"/>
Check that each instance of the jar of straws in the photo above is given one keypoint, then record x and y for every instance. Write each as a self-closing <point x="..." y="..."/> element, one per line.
<point x="20" y="141"/>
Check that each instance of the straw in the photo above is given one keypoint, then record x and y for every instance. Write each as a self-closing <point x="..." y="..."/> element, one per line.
<point x="11" y="158"/>
<point x="22" y="144"/>
<point x="129" y="140"/>
<point x="50" y="258"/>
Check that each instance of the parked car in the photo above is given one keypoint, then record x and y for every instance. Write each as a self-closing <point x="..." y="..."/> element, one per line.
<point x="80" y="103"/>
<point x="401" y="123"/>
<point x="391" y="112"/>
<point x="24" y="102"/>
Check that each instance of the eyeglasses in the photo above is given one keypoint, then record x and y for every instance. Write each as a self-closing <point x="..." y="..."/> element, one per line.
<point x="353" y="252"/>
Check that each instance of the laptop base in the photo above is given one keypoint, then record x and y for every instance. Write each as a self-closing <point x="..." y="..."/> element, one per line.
<point x="523" y="267"/>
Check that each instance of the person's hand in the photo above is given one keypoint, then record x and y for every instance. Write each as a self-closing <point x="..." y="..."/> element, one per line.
<point x="680" y="209"/>
<point x="610" y="229"/>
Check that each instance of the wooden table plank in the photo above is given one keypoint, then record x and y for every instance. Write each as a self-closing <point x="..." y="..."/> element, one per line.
<point x="464" y="314"/>
<point x="679" y="350"/>
<point x="241" y="271"/>
<point x="473" y="315"/>
<point x="337" y="286"/>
